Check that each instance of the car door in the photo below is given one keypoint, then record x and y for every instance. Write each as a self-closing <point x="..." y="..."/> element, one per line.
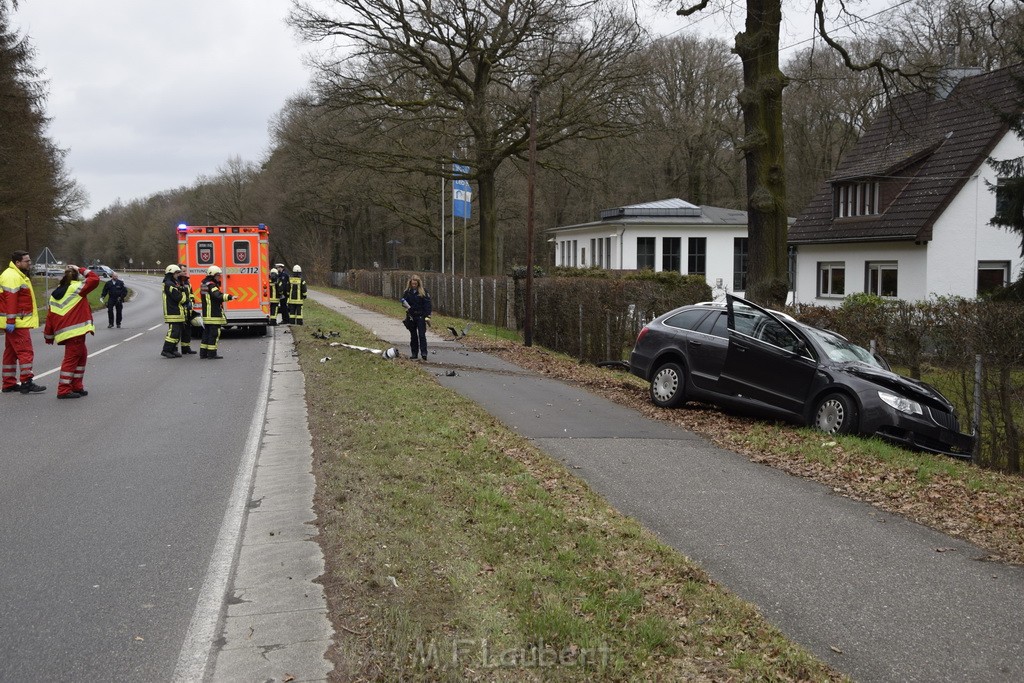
<point x="707" y="346"/>
<point x="766" y="360"/>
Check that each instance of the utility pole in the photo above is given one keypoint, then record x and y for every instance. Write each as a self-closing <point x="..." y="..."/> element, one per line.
<point x="530" y="183"/>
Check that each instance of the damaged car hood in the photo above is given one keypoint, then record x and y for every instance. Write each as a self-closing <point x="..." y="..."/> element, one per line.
<point x="911" y="388"/>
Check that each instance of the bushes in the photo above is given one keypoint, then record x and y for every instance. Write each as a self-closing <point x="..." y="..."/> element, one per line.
<point x="595" y="315"/>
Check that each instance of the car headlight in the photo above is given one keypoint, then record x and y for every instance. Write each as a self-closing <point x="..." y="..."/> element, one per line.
<point x="901" y="403"/>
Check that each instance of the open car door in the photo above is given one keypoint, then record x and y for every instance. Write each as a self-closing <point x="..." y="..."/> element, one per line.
<point x="766" y="359"/>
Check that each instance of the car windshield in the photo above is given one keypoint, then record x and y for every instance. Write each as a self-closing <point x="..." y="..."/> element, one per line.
<point x="841" y="350"/>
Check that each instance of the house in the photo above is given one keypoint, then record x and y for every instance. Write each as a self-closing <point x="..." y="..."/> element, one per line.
<point x="905" y="215"/>
<point x="670" y="234"/>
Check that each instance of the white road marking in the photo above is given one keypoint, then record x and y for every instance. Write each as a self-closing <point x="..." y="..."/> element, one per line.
<point x="195" y="652"/>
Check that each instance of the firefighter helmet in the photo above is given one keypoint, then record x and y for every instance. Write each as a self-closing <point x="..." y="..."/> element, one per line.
<point x="213" y="270"/>
<point x="273" y="271"/>
<point x="173" y="268"/>
<point x="296" y="269"/>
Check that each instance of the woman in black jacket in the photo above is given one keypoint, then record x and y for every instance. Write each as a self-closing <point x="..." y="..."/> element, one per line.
<point x="417" y="314"/>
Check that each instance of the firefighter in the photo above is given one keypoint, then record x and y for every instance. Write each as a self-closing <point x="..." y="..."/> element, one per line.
<point x="282" y="292"/>
<point x="296" y="295"/>
<point x="67" y="323"/>
<point x="213" y="300"/>
<point x="188" y="299"/>
<point x="174" y="313"/>
<point x="18" y="306"/>
<point x="274" y="295"/>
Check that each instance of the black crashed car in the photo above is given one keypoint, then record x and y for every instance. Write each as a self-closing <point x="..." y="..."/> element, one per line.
<point x="743" y="356"/>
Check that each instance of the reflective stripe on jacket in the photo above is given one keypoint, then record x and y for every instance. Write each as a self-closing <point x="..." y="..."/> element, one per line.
<point x="296" y="289"/>
<point x="17" y="300"/>
<point x="213" y="302"/>
<point x="174" y="312"/>
<point x="70" y="314"/>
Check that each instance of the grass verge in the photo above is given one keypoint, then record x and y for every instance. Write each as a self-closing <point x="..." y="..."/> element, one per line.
<point x="457" y="551"/>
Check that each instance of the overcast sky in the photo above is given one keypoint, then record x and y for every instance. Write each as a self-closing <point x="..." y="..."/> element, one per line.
<point x="148" y="96"/>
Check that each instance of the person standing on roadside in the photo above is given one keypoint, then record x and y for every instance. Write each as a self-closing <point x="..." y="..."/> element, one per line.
<point x="188" y="299"/>
<point x="275" y="298"/>
<point x="67" y="322"/>
<point x="18" y="306"/>
<point x="417" y="306"/>
<point x="296" y="295"/>
<point x="174" y="314"/>
<point x="213" y="300"/>
<point x="114" y="293"/>
<point x="282" y="292"/>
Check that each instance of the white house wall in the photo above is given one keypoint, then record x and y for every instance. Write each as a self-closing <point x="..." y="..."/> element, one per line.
<point x="911" y="260"/>
<point x="957" y="247"/>
<point x="719" y="258"/>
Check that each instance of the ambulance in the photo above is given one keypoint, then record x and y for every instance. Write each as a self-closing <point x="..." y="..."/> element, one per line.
<point x="243" y="254"/>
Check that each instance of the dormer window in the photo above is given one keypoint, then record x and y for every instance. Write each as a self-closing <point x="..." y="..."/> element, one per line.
<point x="858" y="198"/>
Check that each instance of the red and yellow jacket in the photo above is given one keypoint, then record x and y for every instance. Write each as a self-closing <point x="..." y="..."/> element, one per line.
<point x="17" y="301"/>
<point x="70" y="314"/>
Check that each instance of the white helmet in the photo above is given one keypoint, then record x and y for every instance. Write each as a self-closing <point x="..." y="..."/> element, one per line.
<point x="213" y="270"/>
<point x="173" y="268"/>
<point x="296" y="269"/>
<point x="274" y="271"/>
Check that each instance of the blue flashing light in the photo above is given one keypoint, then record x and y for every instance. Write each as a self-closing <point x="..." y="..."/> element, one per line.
<point x="263" y="226"/>
<point x="182" y="227"/>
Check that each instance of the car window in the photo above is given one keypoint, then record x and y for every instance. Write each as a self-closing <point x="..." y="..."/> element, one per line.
<point x="759" y="325"/>
<point x="717" y="324"/>
<point x="686" y="320"/>
<point x="842" y="350"/>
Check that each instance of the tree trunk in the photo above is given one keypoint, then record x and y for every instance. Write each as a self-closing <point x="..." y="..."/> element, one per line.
<point x="488" y="223"/>
<point x="761" y="101"/>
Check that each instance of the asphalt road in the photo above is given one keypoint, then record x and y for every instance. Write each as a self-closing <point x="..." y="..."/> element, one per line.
<point x="110" y="505"/>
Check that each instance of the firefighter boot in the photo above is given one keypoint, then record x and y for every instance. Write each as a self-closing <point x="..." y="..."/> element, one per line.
<point x="202" y="354"/>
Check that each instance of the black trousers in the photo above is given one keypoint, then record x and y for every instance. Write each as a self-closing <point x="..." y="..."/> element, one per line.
<point x="173" y="336"/>
<point x="418" y="338"/>
<point x="112" y="307"/>
<point x="211" y="335"/>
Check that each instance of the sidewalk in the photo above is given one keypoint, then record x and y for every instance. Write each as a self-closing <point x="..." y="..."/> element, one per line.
<point x="865" y="590"/>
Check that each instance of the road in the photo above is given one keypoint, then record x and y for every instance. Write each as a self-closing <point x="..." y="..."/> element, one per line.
<point x="110" y="505"/>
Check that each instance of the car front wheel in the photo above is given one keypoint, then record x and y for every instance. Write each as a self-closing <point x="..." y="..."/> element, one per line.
<point x="668" y="386"/>
<point x="836" y="414"/>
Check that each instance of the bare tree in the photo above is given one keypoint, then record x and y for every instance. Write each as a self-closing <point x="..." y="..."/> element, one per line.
<point x="459" y="75"/>
<point x="826" y="108"/>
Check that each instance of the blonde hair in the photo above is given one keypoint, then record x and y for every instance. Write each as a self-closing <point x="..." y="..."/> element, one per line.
<point x="419" y="281"/>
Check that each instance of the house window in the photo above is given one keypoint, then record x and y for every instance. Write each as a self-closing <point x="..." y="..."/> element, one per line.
<point x="645" y="253"/>
<point x="739" y="264"/>
<point x="697" y="256"/>
<point x="791" y="268"/>
<point x="831" y="279"/>
<point x="594" y="253"/>
<point x="881" y="278"/>
<point x="992" y="275"/>
<point x="608" y="253"/>
<point x="574" y="245"/>
<point x="856" y="199"/>
<point x="671" y="254"/>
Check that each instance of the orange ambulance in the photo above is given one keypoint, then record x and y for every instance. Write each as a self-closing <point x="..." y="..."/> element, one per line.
<point x="243" y="254"/>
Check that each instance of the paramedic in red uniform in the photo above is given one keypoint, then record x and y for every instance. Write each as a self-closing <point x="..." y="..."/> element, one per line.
<point x="18" y="306"/>
<point x="67" y="323"/>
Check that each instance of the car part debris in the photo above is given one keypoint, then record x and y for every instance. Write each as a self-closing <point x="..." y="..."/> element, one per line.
<point x="390" y="352"/>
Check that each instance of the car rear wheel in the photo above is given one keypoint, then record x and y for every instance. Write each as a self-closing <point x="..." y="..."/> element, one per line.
<point x="836" y="414"/>
<point x="668" y="386"/>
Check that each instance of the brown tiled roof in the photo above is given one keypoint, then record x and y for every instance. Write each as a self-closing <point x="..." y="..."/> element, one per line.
<point x="930" y="145"/>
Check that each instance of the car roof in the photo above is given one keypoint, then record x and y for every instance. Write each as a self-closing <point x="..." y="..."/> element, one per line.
<point x="721" y="304"/>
